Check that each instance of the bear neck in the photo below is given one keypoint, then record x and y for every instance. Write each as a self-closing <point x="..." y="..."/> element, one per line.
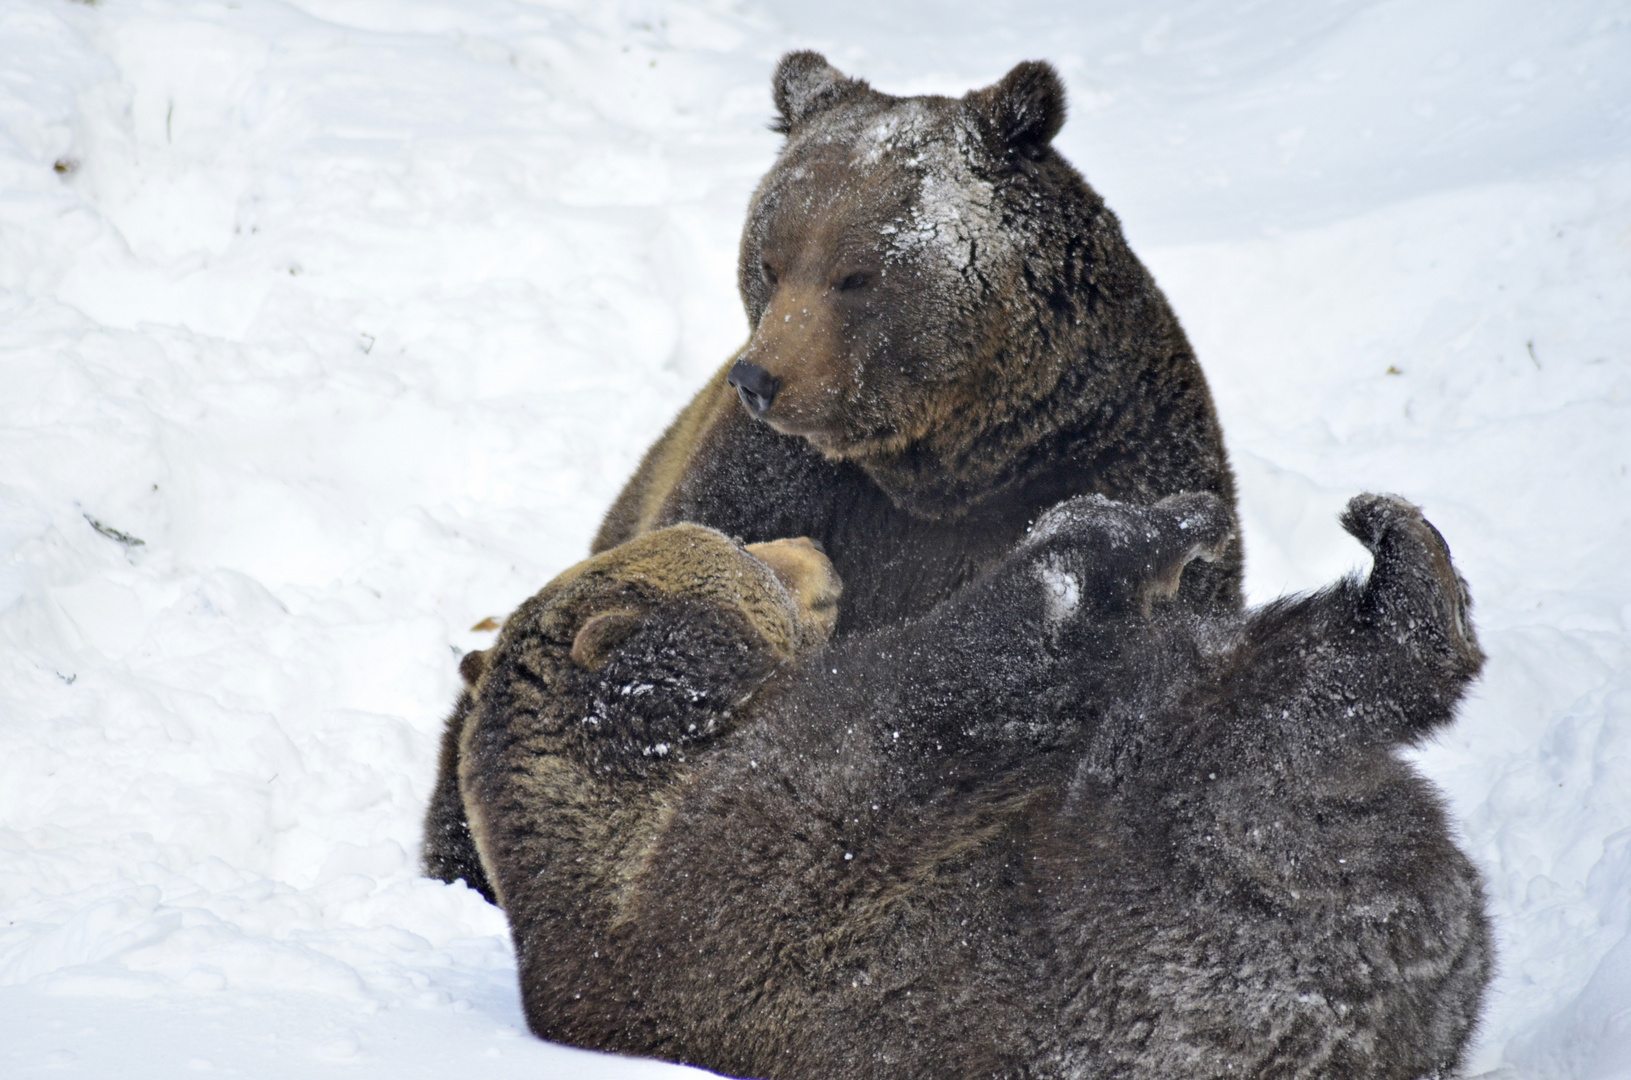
<point x="947" y="479"/>
<point x="925" y="481"/>
<point x="1067" y="437"/>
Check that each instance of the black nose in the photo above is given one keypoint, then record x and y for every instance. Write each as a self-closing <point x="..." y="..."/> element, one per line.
<point x="754" y="385"/>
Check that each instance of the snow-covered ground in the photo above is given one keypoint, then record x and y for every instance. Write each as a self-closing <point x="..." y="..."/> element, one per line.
<point x="355" y="313"/>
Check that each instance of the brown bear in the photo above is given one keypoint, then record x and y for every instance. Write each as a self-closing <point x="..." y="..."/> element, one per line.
<point x="1058" y="827"/>
<point x="950" y="335"/>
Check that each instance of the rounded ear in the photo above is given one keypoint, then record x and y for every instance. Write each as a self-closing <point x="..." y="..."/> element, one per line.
<point x="802" y="566"/>
<point x="600" y="635"/>
<point x="805" y="85"/>
<point x="472" y="665"/>
<point x="1021" y="112"/>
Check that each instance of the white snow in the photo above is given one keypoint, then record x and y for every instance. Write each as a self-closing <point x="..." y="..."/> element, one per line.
<point x="1061" y="592"/>
<point x="357" y="313"/>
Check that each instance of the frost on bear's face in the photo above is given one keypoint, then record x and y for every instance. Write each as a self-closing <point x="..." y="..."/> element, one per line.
<point x="875" y="252"/>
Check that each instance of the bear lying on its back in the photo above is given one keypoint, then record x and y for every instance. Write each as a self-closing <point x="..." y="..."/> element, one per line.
<point x="1058" y="827"/>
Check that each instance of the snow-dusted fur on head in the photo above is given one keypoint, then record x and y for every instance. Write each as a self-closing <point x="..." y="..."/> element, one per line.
<point x="949" y="335"/>
<point x="1054" y="829"/>
<point x="927" y="276"/>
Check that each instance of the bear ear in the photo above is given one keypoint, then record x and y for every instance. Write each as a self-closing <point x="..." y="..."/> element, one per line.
<point x="1021" y="112"/>
<point x="472" y="666"/>
<point x="805" y="85"/>
<point x="600" y="635"/>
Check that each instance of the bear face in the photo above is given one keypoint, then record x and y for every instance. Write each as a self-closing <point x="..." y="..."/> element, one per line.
<point x="1061" y="826"/>
<point x="875" y="248"/>
<point x="922" y="274"/>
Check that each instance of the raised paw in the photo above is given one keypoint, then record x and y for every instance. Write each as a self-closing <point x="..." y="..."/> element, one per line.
<point x="804" y="570"/>
<point x="1413" y="585"/>
<point x="1121" y="557"/>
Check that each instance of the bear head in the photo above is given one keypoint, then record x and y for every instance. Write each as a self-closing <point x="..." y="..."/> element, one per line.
<point x="898" y="266"/>
<point x="638" y="652"/>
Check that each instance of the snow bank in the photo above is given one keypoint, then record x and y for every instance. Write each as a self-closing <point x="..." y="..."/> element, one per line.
<point x="328" y="329"/>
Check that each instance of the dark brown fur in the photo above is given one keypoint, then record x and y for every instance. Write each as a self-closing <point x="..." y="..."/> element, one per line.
<point x="1059" y="827"/>
<point x="448" y="851"/>
<point x="784" y="590"/>
<point x="962" y="339"/>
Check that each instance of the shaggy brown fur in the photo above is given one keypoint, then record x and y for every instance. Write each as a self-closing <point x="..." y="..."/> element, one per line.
<point x="956" y="337"/>
<point x="961" y="339"/>
<point x="448" y="851"/>
<point x="1059" y="827"/>
<point x="784" y="589"/>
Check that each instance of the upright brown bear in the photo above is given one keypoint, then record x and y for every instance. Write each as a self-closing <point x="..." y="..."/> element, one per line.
<point x="949" y="336"/>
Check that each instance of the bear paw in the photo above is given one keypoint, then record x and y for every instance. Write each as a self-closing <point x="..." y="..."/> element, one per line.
<point x="1413" y="584"/>
<point x="1120" y="556"/>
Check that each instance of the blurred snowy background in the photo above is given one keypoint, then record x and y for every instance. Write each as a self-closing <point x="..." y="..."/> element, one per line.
<point x="345" y="319"/>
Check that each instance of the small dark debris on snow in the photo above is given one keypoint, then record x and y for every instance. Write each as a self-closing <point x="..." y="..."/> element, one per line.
<point x="114" y="534"/>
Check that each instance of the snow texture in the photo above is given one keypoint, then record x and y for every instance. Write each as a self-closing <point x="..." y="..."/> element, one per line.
<point x="329" y="328"/>
<point x="1061" y="591"/>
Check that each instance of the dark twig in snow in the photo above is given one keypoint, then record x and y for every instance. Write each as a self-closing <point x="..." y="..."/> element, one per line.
<point x="114" y="534"/>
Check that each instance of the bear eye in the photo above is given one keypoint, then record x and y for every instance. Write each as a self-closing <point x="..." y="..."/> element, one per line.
<point x="854" y="281"/>
<point x="769" y="273"/>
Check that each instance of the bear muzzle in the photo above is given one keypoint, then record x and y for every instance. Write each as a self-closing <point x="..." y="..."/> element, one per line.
<point x="754" y="385"/>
